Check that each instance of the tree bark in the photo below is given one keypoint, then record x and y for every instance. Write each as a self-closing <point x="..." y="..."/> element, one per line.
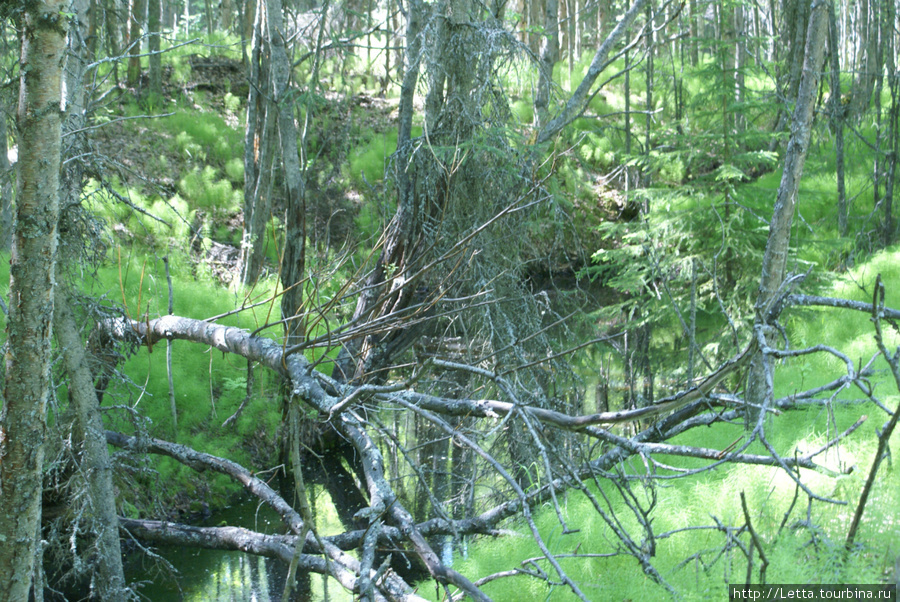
<point x="259" y="146"/>
<point x="6" y="193"/>
<point x="22" y="421"/>
<point x="400" y="232"/>
<point x="837" y="120"/>
<point x="867" y="64"/>
<point x="294" y="259"/>
<point x="549" y="58"/>
<point x="94" y="458"/>
<point x="138" y="10"/>
<point x="774" y="265"/>
<point x="154" y="26"/>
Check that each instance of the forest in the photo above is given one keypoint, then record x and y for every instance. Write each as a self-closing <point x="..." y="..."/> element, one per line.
<point x="450" y="299"/>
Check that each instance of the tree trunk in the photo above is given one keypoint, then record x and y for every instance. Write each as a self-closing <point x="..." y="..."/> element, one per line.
<point x="94" y="460"/>
<point x="138" y="9"/>
<point x="837" y="120"/>
<point x="797" y="48"/>
<point x="22" y="420"/>
<point x="867" y="64"/>
<point x="154" y="25"/>
<point x="535" y="20"/>
<point x="549" y="58"/>
<point x="888" y="232"/>
<point x="226" y="15"/>
<point x="576" y="104"/>
<point x="112" y="34"/>
<point x="694" y="43"/>
<point x="259" y="145"/>
<point x="6" y="174"/>
<point x="350" y="362"/>
<point x="774" y="266"/>
<point x="294" y="257"/>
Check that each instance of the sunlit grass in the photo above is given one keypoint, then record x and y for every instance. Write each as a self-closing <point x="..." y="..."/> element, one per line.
<point x="796" y="552"/>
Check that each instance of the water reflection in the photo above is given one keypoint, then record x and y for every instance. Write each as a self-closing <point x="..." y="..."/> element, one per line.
<point x="213" y="575"/>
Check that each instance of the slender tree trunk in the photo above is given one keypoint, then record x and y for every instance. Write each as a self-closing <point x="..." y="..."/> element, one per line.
<point x="259" y="146"/>
<point x="536" y="19"/>
<point x="577" y="28"/>
<point x="797" y="46"/>
<point x="570" y="36"/>
<point x="867" y="64"/>
<point x="6" y="174"/>
<point x="294" y="258"/>
<point x="740" y="53"/>
<point x="226" y="15"/>
<point x="648" y="98"/>
<point x="210" y="18"/>
<point x="837" y="120"/>
<point x="94" y="458"/>
<point x="549" y="58"/>
<point x="695" y="42"/>
<point x="138" y="10"/>
<point x="889" y="227"/>
<point x="154" y="25"/>
<point x="579" y="97"/>
<point x="350" y="362"/>
<point x="23" y="417"/>
<point x="774" y="266"/>
<point x="112" y="34"/>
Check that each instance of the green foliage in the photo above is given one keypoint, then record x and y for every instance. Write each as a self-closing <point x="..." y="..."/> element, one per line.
<point x="234" y="170"/>
<point x="204" y="135"/>
<point x="204" y="190"/>
<point x="232" y="102"/>
<point x="691" y="561"/>
<point x="209" y="386"/>
<point x="369" y="161"/>
<point x="370" y="220"/>
<point x="153" y="220"/>
<point x="523" y="110"/>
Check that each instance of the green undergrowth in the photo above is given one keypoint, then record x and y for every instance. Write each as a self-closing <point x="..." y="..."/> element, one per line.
<point x="203" y="136"/>
<point x="369" y="160"/>
<point x="800" y="548"/>
<point x="852" y="332"/>
<point x="689" y="560"/>
<point x="209" y="386"/>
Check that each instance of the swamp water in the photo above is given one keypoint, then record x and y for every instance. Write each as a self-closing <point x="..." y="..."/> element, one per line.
<point x="216" y="575"/>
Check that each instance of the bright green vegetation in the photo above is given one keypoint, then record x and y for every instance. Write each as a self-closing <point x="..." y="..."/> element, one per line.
<point x="800" y="548"/>
<point x="706" y="197"/>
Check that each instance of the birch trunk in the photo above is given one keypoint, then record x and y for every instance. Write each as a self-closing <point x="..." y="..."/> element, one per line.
<point x="23" y="418"/>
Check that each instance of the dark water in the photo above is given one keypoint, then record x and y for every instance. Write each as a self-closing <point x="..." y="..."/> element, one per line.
<point x="201" y="575"/>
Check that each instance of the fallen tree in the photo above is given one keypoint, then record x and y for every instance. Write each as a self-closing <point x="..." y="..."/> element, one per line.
<point x="351" y="410"/>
